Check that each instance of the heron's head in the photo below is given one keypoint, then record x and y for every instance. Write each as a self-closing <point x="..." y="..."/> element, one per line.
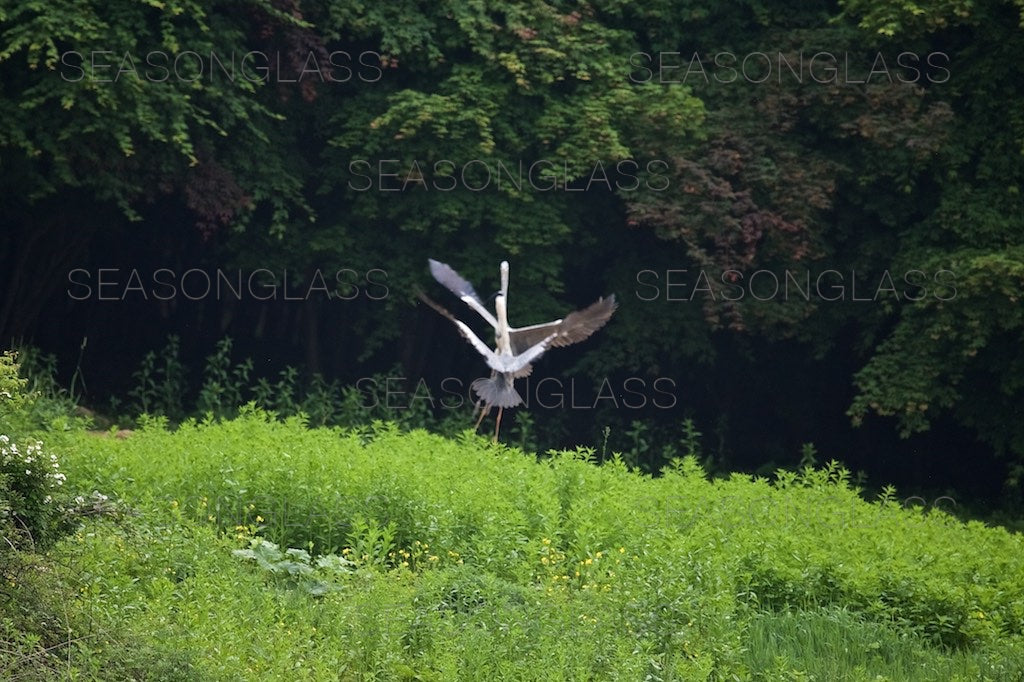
<point x="504" y="277"/>
<point x="503" y="291"/>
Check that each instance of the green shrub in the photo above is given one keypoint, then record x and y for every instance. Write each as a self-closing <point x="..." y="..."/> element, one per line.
<point x="31" y="481"/>
<point x="38" y="401"/>
<point x="30" y="492"/>
<point x="13" y="394"/>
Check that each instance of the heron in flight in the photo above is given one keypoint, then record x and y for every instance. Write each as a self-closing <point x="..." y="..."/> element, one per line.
<point x="515" y="348"/>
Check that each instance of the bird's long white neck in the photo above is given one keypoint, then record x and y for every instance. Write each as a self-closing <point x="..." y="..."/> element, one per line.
<point x="501" y="335"/>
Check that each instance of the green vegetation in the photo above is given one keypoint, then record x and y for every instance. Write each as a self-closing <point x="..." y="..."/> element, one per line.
<point x="31" y="480"/>
<point x="256" y="548"/>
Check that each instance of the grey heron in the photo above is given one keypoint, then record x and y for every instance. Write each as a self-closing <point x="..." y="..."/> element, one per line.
<point x="515" y="348"/>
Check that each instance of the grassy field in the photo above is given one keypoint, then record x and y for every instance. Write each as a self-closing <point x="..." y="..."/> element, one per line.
<point x="260" y="549"/>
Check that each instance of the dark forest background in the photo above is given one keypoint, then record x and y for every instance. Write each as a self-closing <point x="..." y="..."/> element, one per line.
<point x="874" y="150"/>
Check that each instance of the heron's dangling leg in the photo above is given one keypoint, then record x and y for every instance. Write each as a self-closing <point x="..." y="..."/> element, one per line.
<point x="483" y="413"/>
<point x="497" y="423"/>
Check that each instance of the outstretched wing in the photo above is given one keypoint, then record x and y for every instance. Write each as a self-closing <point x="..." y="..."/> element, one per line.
<point x="466" y="332"/>
<point x="575" y="327"/>
<point x="455" y="283"/>
<point x="519" y="365"/>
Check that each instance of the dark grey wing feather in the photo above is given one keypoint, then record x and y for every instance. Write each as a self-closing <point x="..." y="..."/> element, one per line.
<point x="575" y="327"/>
<point x="453" y="281"/>
<point x="495" y="361"/>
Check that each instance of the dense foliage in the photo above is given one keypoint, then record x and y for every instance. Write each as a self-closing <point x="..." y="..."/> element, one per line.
<point x="869" y="146"/>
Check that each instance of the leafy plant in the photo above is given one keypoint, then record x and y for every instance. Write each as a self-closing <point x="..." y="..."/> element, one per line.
<point x="281" y="396"/>
<point x="315" y="576"/>
<point x="223" y="384"/>
<point x="371" y="543"/>
<point x="323" y="401"/>
<point x="808" y="456"/>
<point x="639" y="445"/>
<point x="160" y="383"/>
<point x="524" y="431"/>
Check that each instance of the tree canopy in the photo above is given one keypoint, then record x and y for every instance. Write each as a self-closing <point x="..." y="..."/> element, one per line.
<point x="867" y="155"/>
